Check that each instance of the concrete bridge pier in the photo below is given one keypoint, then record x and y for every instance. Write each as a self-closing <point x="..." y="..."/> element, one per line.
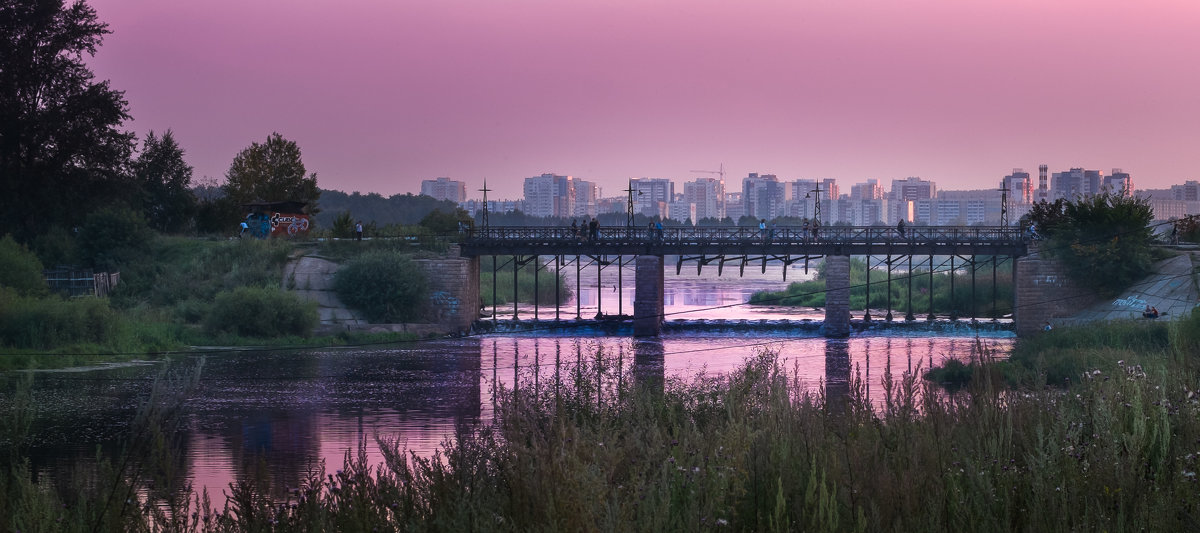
<point x="837" y="296"/>
<point x="648" y="296"/>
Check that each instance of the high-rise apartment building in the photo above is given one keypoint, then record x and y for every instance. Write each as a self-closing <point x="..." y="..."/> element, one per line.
<point x="586" y="196"/>
<point x="652" y="196"/>
<point x="868" y="190"/>
<point x="1188" y="192"/>
<point x="1075" y="183"/>
<point x="445" y="189"/>
<point x="1119" y="182"/>
<point x="708" y="195"/>
<point x="1019" y="186"/>
<point x="913" y="189"/>
<point x="763" y="196"/>
<point x="550" y="195"/>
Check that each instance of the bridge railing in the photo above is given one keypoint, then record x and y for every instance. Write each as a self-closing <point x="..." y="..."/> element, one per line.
<point x="703" y="235"/>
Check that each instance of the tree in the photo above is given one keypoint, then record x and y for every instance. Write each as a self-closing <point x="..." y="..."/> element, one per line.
<point x="1104" y="240"/>
<point x="163" y="179"/>
<point x="271" y="172"/>
<point x="447" y="223"/>
<point x="60" y="147"/>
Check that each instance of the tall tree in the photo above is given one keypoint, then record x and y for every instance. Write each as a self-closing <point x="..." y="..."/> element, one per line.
<point x="271" y="172"/>
<point x="61" y="151"/>
<point x="164" y="180"/>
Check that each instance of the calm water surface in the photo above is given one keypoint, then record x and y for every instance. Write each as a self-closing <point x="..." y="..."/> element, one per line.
<point x="295" y="409"/>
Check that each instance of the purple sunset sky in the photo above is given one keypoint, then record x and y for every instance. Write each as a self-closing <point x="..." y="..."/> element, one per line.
<point x="381" y="94"/>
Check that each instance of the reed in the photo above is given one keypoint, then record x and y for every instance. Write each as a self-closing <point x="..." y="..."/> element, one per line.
<point x="604" y="444"/>
<point x="526" y="288"/>
<point x="949" y="296"/>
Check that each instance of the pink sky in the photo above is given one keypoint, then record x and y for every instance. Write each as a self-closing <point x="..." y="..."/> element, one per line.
<point x="381" y="94"/>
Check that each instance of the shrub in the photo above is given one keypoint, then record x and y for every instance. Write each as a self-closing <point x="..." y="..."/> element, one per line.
<point x="261" y="312"/>
<point x="113" y="235"/>
<point x="1107" y="233"/>
<point x="385" y="286"/>
<point x="42" y="323"/>
<point x="20" y="268"/>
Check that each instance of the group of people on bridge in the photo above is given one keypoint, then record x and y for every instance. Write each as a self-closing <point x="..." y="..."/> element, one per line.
<point x="589" y="231"/>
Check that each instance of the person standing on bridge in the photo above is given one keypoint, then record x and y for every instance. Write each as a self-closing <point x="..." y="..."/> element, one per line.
<point x="762" y="229"/>
<point x="816" y="225"/>
<point x="594" y="230"/>
<point x="900" y="229"/>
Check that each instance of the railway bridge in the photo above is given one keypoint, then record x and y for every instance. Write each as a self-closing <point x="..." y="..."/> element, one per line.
<point x="886" y="249"/>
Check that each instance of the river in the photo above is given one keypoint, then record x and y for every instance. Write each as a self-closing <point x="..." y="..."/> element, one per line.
<point x="295" y="409"/>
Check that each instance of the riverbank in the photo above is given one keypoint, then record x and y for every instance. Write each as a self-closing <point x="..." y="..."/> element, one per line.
<point x="753" y="448"/>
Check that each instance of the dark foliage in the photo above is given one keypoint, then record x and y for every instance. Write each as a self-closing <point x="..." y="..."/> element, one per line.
<point x="20" y="269"/>
<point x="163" y="179"/>
<point x="399" y="209"/>
<point x="386" y="286"/>
<point x="60" y="147"/>
<point x="271" y="172"/>
<point x="112" y="236"/>
<point x="261" y="312"/>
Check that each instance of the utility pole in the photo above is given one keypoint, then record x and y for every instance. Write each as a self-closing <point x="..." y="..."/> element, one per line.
<point x="629" y="206"/>
<point x="816" y="202"/>
<point x="484" y="221"/>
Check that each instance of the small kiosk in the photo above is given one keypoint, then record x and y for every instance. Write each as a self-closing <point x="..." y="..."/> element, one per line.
<point x="276" y="219"/>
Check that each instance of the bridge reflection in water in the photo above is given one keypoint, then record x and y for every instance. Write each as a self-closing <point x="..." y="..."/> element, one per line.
<point x="927" y="249"/>
<point x="839" y="366"/>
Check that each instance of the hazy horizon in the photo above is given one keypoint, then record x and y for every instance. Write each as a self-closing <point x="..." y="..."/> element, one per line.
<point x="381" y="94"/>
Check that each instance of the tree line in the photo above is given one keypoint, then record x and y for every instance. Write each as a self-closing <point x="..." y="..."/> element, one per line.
<point x="65" y="156"/>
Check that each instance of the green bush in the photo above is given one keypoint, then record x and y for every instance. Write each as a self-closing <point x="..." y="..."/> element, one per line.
<point x="20" y="268"/>
<point x="260" y="312"/>
<point x="55" y="247"/>
<point x="43" y="323"/>
<point x="385" y="286"/>
<point x="112" y="236"/>
<point x="1107" y="233"/>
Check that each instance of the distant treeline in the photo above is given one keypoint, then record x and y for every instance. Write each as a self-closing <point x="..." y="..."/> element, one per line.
<point x="398" y="209"/>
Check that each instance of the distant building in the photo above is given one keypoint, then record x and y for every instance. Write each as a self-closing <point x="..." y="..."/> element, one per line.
<point x="912" y="189"/>
<point x="1019" y="186"/>
<point x="1118" y="182"/>
<point x="708" y="197"/>
<point x="763" y="196"/>
<point x="550" y="195"/>
<point x="652" y="196"/>
<point x="1075" y="183"/>
<point x="1188" y="192"/>
<point x="734" y="208"/>
<point x="586" y="196"/>
<point x="445" y="189"/>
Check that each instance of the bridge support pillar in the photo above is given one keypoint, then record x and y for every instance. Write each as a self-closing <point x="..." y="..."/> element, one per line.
<point x="837" y="296"/>
<point x="1042" y="293"/>
<point x="648" y="296"/>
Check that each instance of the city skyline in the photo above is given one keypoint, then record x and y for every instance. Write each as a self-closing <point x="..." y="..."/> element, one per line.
<point x="383" y="94"/>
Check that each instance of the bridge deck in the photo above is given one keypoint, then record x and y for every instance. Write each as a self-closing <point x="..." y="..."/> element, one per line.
<point x="789" y="240"/>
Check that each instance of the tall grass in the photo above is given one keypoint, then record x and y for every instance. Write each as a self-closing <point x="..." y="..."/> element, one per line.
<point x="525" y="287"/>
<point x="962" y="301"/>
<point x="601" y="446"/>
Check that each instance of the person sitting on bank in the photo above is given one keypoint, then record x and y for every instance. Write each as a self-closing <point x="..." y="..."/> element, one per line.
<point x="1150" y="312"/>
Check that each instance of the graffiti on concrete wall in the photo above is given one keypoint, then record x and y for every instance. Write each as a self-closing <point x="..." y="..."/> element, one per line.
<point x="445" y="305"/>
<point x="1130" y="302"/>
<point x="1045" y="280"/>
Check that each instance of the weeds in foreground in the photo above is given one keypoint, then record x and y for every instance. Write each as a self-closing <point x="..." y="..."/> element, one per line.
<point x="606" y="444"/>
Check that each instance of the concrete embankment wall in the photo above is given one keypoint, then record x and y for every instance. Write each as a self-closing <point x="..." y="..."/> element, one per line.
<point x="453" y="295"/>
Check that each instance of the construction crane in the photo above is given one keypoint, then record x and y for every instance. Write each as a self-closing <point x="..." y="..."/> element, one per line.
<point x="720" y="172"/>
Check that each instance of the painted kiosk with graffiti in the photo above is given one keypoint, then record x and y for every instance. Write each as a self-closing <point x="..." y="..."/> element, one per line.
<point x="276" y="219"/>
